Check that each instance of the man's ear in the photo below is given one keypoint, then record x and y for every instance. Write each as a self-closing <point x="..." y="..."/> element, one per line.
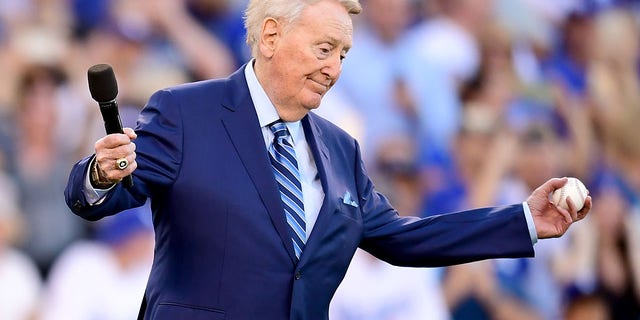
<point x="271" y="32"/>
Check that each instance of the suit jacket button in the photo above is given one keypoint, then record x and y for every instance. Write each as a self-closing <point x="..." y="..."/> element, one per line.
<point x="298" y="275"/>
<point x="77" y="205"/>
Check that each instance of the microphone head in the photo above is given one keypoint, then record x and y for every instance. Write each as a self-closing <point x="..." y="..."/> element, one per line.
<point x="102" y="83"/>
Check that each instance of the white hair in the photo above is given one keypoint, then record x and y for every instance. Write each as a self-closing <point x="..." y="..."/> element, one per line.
<point x="288" y="10"/>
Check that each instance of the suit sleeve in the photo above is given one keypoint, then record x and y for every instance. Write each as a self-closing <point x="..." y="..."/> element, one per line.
<point x="447" y="239"/>
<point x="159" y="152"/>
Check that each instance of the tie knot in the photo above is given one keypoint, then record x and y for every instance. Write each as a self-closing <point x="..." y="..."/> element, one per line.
<point x="279" y="129"/>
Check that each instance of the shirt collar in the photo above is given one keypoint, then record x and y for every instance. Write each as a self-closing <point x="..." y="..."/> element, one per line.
<point x="265" y="110"/>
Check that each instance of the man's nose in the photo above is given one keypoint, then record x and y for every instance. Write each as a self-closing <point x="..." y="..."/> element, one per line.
<point x="333" y="67"/>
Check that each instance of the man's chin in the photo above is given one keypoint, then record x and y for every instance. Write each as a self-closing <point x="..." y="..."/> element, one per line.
<point x="314" y="103"/>
<point x="312" y="107"/>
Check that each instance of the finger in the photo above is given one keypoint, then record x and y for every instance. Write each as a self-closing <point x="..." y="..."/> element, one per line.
<point x="107" y="171"/>
<point x="572" y="209"/>
<point x="553" y="184"/>
<point x="112" y="141"/>
<point x="113" y="172"/>
<point x="131" y="158"/>
<point x="129" y="170"/>
<point x="565" y="214"/>
<point x="117" y="139"/>
<point x="119" y="152"/>
<point x="133" y="165"/>
<point x="130" y="167"/>
<point x="130" y="133"/>
<point x="588" y="203"/>
<point x="124" y="150"/>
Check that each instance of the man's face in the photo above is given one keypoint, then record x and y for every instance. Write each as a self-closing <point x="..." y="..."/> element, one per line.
<point x="306" y="58"/>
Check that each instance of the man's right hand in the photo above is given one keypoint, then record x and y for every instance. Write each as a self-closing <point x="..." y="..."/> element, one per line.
<point x="109" y="150"/>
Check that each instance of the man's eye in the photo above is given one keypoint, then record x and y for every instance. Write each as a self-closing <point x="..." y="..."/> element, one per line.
<point x="324" y="49"/>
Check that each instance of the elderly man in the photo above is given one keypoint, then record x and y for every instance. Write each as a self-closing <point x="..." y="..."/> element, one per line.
<point x="258" y="204"/>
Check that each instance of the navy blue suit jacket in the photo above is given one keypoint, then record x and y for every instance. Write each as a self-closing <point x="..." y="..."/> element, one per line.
<point x="222" y="246"/>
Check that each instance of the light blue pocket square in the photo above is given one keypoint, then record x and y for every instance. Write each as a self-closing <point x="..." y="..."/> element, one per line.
<point x="346" y="199"/>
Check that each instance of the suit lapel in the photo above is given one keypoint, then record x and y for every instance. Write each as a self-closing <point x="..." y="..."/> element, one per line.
<point x="322" y="160"/>
<point x="241" y="123"/>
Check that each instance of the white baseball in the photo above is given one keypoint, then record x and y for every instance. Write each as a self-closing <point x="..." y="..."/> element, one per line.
<point x="573" y="189"/>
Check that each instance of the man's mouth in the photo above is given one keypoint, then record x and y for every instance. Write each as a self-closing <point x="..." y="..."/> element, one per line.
<point x="322" y="86"/>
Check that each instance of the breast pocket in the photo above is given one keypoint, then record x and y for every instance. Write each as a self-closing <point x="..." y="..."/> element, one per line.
<point x="350" y="211"/>
<point x="178" y="311"/>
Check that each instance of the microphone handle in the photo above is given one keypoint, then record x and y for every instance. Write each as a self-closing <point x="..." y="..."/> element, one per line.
<point x="112" y="124"/>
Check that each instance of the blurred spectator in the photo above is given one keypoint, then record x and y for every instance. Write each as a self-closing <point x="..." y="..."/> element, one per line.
<point x="148" y="37"/>
<point x="533" y="25"/>
<point x="39" y="163"/>
<point x="514" y="288"/>
<point x="482" y="151"/>
<point x="373" y="289"/>
<point x="21" y="282"/>
<point x="614" y="81"/>
<point x="104" y="278"/>
<point x="442" y="53"/>
<point x="572" y="56"/>
<point x="508" y="143"/>
<point x="480" y="98"/>
<point x="472" y="292"/>
<point x="454" y="26"/>
<point x="614" y="84"/>
<point x="484" y="155"/>
<point x="372" y="91"/>
<point x="87" y="15"/>
<point x="534" y="282"/>
<point x="617" y="221"/>
<point x="586" y="307"/>
<point x="223" y="19"/>
<point x="203" y="53"/>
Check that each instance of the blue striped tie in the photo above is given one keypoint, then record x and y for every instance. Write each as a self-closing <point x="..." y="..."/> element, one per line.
<point x="285" y="169"/>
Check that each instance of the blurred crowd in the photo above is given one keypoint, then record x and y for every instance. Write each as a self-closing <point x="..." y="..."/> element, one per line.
<point x="456" y="103"/>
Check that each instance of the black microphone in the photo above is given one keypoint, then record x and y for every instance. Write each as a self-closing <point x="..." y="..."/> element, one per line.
<point x="104" y="89"/>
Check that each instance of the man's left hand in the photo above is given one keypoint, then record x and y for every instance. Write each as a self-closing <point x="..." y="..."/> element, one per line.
<point x="550" y="220"/>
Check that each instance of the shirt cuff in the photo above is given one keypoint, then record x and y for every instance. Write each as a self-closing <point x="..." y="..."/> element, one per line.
<point x="532" y="227"/>
<point x="92" y="195"/>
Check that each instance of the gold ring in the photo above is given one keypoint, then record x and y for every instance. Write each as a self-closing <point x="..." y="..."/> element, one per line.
<point x="122" y="164"/>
